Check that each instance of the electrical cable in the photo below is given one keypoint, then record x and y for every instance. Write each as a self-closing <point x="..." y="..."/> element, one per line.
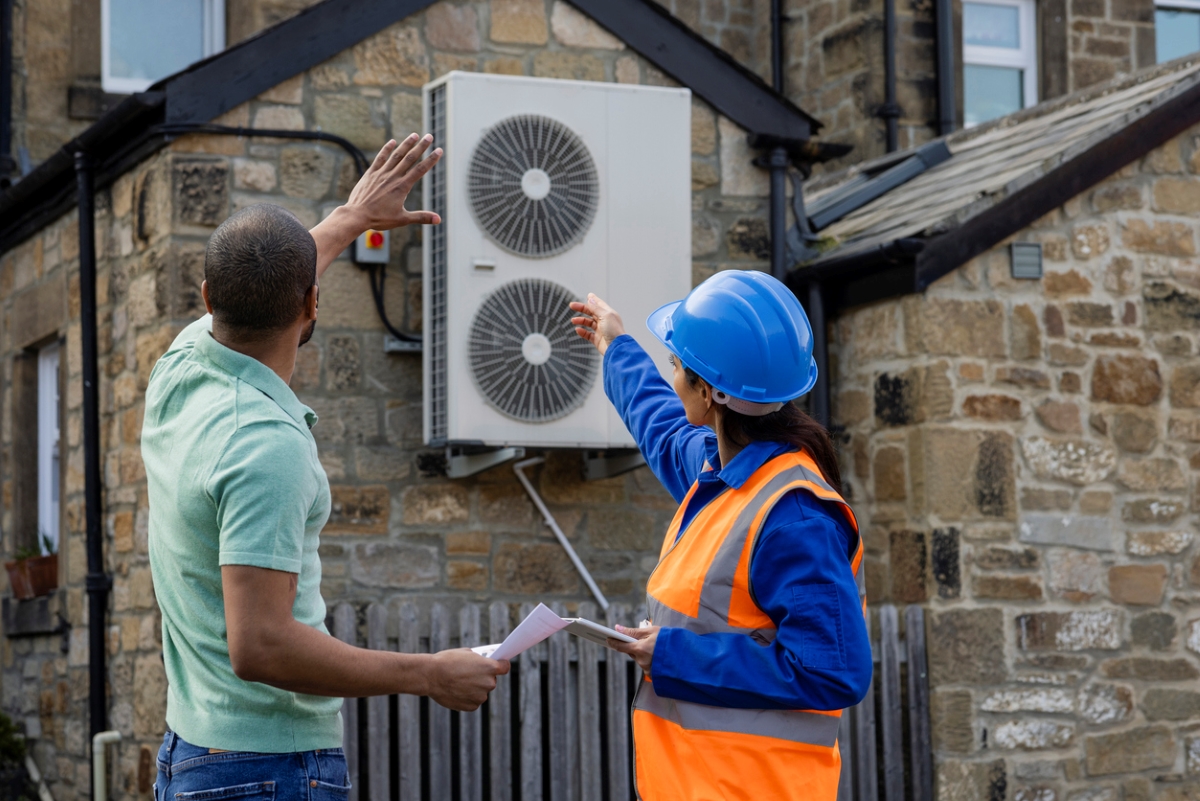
<point x="376" y="273"/>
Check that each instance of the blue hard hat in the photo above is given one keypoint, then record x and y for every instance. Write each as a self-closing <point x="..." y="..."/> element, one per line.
<point x="744" y="333"/>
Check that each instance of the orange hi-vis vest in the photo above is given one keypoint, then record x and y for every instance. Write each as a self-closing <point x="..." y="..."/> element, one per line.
<point x="694" y="752"/>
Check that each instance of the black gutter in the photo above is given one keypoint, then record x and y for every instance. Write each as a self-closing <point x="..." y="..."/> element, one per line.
<point x="98" y="581"/>
<point x="890" y="111"/>
<point x="8" y="166"/>
<point x="945" y="67"/>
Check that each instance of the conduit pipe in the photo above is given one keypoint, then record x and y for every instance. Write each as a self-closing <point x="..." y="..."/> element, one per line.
<point x="98" y="582"/>
<point x="890" y="111"/>
<point x="945" y="67"/>
<point x="519" y="469"/>
<point x="100" y="743"/>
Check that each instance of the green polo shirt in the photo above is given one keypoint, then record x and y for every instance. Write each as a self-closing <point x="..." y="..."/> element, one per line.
<point x="233" y="479"/>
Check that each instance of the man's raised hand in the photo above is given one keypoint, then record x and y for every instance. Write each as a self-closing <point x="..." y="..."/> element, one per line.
<point x="379" y="196"/>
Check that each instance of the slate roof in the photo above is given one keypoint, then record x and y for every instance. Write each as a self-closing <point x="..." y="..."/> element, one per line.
<point x="1032" y="156"/>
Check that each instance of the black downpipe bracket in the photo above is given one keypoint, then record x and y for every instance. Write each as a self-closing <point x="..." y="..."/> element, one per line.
<point x="7" y="165"/>
<point x="98" y="581"/>
<point x="890" y="110"/>
<point x="947" y="113"/>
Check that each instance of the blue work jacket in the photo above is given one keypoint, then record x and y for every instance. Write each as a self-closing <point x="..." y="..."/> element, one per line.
<point x="804" y="541"/>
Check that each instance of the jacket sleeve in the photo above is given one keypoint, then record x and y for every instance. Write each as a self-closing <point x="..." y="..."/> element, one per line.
<point x="821" y="656"/>
<point x="674" y="449"/>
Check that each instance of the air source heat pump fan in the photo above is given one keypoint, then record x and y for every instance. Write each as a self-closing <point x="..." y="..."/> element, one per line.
<point x="533" y="186"/>
<point x="525" y="356"/>
<point x="548" y="190"/>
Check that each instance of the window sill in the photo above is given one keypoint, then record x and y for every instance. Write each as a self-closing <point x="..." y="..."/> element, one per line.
<point x="35" y="617"/>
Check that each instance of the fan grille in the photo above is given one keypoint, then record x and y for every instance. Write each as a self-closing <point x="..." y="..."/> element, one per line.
<point x="525" y="356"/>
<point x="533" y="186"/>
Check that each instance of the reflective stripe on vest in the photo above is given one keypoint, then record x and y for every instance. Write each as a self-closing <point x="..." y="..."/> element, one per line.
<point x="702" y="584"/>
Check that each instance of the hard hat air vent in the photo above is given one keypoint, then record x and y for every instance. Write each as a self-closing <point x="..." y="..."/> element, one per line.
<point x="525" y="355"/>
<point x="533" y="186"/>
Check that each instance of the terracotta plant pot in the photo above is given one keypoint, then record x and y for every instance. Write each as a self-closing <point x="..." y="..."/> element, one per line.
<point x="18" y="579"/>
<point x="43" y="574"/>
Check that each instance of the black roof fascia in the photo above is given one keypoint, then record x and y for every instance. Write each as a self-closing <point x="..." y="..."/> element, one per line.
<point x="209" y="88"/>
<point x="707" y="70"/>
<point x="856" y="194"/>
<point x="1029" y="204"/>
<point x="116" y="140"/>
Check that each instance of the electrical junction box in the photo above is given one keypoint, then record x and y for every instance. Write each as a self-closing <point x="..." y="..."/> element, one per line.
<point x="372" y="247"/>
<point x="548" y="190"/>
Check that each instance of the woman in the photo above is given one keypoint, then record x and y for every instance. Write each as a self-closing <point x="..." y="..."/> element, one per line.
<point x="756" y="640"/>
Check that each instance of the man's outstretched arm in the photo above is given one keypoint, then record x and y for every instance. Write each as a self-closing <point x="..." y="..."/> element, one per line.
<point x="268" y="645"/>
<point x="377" y="200"/>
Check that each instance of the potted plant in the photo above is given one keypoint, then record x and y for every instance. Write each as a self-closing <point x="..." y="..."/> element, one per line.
<point x="33" y="574"/>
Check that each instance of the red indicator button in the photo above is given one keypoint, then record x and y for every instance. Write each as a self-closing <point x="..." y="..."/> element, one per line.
<point x="374" y="240"/>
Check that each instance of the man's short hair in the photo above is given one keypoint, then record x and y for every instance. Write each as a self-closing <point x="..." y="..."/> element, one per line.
<point x="259" y="265"/>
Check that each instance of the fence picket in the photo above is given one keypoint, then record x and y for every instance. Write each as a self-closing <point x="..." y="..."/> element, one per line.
<point x="470" y="724"/>
<point x="439" y="716"/>
<point x="557" y="670"/>
<point x="845" y="779"/>
<point x="893" y="731"/>
<point x="918" y="702"/>
<point x="345" y="628"/>
<point x="378" y="724"/>
<point x="618" y="714"/>
<point x="866" y="762"/>
<point x="590" y="655"/>
<point x="409" y="717"/>
<point x="500" y="713"/>
<point x="530" y="696"/>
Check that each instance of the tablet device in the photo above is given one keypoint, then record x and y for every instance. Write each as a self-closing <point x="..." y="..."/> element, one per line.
<point x="594" y="631"/>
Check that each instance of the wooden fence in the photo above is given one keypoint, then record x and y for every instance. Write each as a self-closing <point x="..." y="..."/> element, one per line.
<point x="557" y="727"/>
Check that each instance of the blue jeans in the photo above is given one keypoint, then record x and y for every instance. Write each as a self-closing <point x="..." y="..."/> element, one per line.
<point x="190" y="773"/>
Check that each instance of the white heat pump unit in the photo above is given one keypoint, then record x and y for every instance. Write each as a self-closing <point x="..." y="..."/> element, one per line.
<point x="548" y="190"/>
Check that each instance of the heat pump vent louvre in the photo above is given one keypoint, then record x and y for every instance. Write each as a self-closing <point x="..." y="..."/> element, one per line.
<point x="525" y="356"/>
<point x="533" y="186"/>
<point x="435" y="341"/>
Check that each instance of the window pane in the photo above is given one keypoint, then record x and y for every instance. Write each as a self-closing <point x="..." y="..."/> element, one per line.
<point x="48" y="436"/>
<point x="1176" y="33"/>
<point x="150" y="39"/>
<point x="991" y="25"/>
<point x="991" y="92"/>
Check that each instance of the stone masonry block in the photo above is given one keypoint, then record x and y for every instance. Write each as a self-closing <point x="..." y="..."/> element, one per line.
<point x="575" y="29"/>
<point x="435" y="504"/>
<point x="972" y="781"/>
<point x="533" y="569"/>
<point x="1169" y="308"/>
<point x="520" y="21"/>
<point x="1162" y="237"/>
<point x="966" y="646"/>
<point x="951" y="719"/>
<point x="1137" y="584"/>
<point x="201" y="193"/>
<point x="909" y="560"/>
<point x="1033" y="734"/>
<point x="451" y="27"/>
<point x="1105" y="704"/>
<point x="1070" y="631"/>
<point x="393" y="57"/>
<point x="962" y="327"/>
<point x="1129" y="751"/>
<point x="359" y="510"/>
<point x="1147" y="669"/>
<point x="395" y="565"/>
<point x="1080" y="462"/>
<point x="1126" y="380"/>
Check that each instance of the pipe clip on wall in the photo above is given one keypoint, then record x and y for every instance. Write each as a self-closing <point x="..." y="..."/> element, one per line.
<point x="519" y="469"/>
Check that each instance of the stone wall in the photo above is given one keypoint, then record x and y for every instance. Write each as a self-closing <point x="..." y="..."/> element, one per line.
<point x="1024" y="457"/>
<point x="1108" y="39"/>
<point x="398" y="527"/>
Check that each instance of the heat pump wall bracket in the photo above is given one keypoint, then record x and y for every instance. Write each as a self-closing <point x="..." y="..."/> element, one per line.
<point x="461" y="465"/>
<point x="606" y="464"/>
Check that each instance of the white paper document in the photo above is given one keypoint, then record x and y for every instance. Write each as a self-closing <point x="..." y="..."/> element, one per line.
<point x="540" y="624"/>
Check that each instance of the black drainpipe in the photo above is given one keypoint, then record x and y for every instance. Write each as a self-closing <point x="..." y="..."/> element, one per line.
<point x="7" y="165"/>
<point x="98" y="582"/>
<point x="890" y="111"/>
<point x="945" y="68"/>
<point x="777" y="158"/>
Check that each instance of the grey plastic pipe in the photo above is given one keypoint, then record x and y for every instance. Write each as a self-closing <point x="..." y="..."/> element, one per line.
<point x="519" y="469"/>
<point x="100" y="744"/>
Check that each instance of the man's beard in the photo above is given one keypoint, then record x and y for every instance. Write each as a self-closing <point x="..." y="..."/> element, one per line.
<point x="308" y="332"/>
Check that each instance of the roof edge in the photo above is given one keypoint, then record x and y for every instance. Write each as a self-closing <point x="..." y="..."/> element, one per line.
<point x="1167" y="118"/>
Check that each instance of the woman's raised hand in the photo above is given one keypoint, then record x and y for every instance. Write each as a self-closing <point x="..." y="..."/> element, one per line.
<point x="597" y="323"/>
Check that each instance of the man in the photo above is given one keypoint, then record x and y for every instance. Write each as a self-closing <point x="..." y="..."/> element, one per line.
<point x="237" y="502"/>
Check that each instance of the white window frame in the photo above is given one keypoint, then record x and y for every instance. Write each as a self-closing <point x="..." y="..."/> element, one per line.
<point x="1024" y="58"/>
<point x="213" y="41"/>
<point x="48" y="471"/>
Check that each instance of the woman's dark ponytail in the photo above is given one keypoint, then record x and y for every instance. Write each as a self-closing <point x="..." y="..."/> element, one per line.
<point x="790" y="424"/>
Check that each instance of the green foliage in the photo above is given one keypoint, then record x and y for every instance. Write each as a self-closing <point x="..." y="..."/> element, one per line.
<point x="25" y="552"/>
<point x="12" y="744"/>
